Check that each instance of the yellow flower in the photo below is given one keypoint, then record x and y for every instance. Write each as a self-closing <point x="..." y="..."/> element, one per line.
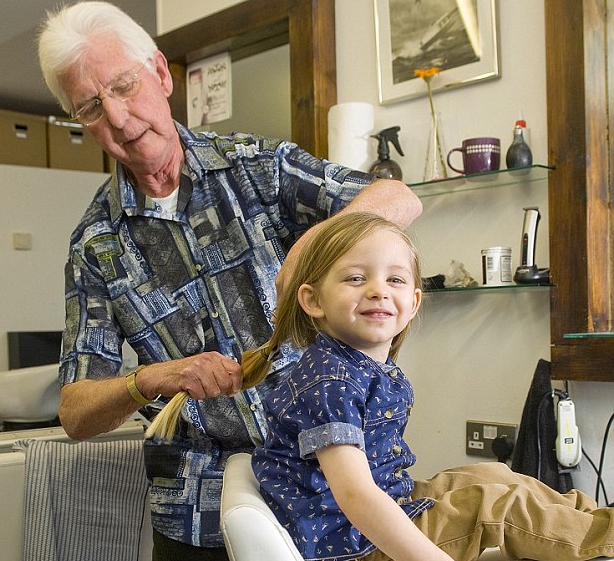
<point x="427" y="73"/>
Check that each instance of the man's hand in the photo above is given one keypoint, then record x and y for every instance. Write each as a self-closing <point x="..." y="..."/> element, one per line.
<point x="204" y="375"/>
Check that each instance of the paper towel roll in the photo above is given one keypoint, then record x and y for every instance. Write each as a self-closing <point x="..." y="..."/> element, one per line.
<point x="349" y="127"/>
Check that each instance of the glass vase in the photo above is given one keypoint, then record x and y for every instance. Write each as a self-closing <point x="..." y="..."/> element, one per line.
<point x="435" y="166"/>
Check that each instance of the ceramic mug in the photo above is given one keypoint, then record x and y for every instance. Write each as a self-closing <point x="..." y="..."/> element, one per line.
<point x="479" y="155"/>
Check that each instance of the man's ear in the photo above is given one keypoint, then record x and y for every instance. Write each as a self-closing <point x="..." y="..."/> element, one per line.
<point x="308" y="300"/>
<point x="163" y="72"/>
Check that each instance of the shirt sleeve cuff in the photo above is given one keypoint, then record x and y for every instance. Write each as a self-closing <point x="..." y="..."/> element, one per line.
<point x="312" y="440"/>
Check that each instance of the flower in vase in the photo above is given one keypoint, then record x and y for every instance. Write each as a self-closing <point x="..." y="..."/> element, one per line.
<point x="427" y="74"/>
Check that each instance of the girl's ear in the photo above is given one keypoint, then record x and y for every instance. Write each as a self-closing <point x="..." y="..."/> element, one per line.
<point x="308" y="300"/>
<point x="417" y="301"/>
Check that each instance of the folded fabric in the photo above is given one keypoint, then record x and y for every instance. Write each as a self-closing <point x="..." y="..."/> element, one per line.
<point x="83" y="501"/>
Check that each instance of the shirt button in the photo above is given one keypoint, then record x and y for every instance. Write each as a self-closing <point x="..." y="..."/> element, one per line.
<point x="214" y="314"/>
<point x="253" y="406"/>
<point x="396" y="449"/>
<point x="388" y="414"/>
<point x="199" y="267"/>
<point x="394" y="374"/>
<point x="398" y="473"/>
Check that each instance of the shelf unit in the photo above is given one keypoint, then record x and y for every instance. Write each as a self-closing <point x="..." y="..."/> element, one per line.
<point x="490" y="179"/>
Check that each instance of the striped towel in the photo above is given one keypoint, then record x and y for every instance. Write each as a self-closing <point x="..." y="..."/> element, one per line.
<point x="83" y="501"/>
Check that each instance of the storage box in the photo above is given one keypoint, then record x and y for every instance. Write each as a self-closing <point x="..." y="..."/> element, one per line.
<point x="23" y="139"/>
<point x="70" y="146"/>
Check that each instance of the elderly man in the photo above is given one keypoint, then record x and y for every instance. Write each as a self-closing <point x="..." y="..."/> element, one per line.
<point x="181" y="254"/>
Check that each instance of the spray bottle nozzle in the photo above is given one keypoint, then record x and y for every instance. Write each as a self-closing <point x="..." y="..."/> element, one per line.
<point x="385" y="136"/>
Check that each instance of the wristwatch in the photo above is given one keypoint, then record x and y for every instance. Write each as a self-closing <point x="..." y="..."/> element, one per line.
<point x="134" y="391"/>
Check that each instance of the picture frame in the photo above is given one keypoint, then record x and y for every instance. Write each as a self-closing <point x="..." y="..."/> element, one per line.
<point x="209" y="90"/>
<point x="458" y="36"/>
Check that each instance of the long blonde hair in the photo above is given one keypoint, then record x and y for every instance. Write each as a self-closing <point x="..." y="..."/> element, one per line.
<point x="335" y="238"/>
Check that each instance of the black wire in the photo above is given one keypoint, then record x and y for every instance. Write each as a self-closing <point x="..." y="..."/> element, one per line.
<point x="599" y="479"/>
<point x="602" y="458"/>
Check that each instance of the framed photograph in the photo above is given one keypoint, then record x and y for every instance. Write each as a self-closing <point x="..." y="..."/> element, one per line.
<point x="209" y="90"/>
<point x="458" y="36"/>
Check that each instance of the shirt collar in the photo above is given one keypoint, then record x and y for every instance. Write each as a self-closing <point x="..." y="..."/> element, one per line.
<point x="324" y="340"/>
<point x="202" y="152"/>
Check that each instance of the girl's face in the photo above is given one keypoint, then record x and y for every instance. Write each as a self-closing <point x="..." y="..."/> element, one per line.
<point x="368" y="296"/>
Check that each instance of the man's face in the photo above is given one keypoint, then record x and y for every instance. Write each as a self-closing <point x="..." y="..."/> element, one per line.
<point x="139" y="132"/>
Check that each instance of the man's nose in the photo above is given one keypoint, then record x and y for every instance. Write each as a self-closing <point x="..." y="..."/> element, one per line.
<point x="115" y="111"/>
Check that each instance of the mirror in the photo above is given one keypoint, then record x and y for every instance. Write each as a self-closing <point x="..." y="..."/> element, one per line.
<point x="251" y="27"/>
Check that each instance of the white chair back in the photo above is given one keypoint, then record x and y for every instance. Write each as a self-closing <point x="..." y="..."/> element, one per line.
<point x="251" y="531"/>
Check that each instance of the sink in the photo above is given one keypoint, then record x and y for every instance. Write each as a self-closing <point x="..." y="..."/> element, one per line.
<point x="29" y="394"/>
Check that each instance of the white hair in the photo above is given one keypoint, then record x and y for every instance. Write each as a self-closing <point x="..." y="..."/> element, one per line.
<point x="68" y="33"/>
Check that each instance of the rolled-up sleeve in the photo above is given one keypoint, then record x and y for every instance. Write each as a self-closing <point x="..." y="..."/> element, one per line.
<point x="314" y="439"/>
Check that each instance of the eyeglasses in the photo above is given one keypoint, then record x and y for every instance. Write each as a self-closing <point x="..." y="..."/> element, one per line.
<point x="123" y="87"/>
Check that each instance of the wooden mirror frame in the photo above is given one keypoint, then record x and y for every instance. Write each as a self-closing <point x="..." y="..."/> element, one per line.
<point x="254" y="26"/>
<point x="580" y="89"/>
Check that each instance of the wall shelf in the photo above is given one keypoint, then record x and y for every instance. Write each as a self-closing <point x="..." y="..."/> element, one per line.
<point x="590" y="335"/>
<point x="500" y="178"/>
<point x="485" y="288"/>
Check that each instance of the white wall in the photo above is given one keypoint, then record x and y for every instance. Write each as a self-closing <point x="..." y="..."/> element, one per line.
<point x="473" y="356"/>
<point x="176" y="13"/>
<point x="45" y="203"/>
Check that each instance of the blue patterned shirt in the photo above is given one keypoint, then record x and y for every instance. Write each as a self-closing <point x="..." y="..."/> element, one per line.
<point x="334" y="395"/>
<point x="201" y="279"/>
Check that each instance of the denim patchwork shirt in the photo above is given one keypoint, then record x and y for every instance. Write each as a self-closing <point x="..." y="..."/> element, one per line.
<point x="335" y="395"/>
<point x="200" y="279"/>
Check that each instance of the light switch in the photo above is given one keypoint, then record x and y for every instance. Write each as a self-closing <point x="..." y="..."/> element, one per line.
<point x="22" y="241"/>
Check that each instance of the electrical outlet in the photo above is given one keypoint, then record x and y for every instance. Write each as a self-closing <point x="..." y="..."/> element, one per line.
<point x="480" y="435"/>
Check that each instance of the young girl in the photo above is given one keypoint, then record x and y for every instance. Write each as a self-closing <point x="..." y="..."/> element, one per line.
<point x="333" y="467"/>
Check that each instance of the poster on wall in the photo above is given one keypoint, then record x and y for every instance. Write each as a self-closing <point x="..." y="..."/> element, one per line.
<point x="209" y="91"/>
<point x="459" y="37"/>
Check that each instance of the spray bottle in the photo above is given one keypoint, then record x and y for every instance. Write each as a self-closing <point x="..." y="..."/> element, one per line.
<point x="384" y="167"/>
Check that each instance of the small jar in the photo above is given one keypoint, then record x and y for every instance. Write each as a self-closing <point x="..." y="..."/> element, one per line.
<point x="497" y="266"/>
